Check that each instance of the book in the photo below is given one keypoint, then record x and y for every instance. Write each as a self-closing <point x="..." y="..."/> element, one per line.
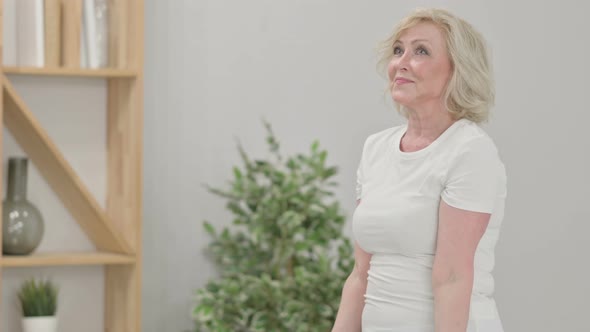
<point x="89" y="33"/>
<point x="96" y="32"/>
<point x="9" y="30"/>
<point x="30" y="35"/>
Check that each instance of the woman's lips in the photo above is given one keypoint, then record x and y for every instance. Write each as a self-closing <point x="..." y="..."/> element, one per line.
<point x="400" y="80"/>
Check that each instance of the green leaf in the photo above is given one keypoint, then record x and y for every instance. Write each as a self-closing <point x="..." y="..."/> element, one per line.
<point x="237" y="173"/>
<point x="323" y="156"/>
<point x="203" y="313"/>
<point x="315" y="145"/>
<point x="300" y="246"/>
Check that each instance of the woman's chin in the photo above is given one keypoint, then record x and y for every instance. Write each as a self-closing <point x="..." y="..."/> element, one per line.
<point x="401" y="99"/>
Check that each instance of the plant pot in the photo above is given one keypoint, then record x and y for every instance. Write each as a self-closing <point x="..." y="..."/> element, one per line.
<point x="22" y="223"/>
<point x="40" y="324"/>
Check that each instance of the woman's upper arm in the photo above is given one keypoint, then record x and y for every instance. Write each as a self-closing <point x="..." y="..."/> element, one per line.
<point x="459" y="233"/>
<point x="361" y="262"/>
<point x="361" y="258"/>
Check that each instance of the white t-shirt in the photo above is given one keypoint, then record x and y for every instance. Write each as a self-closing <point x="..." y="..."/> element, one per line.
<point x="397" y="222"/>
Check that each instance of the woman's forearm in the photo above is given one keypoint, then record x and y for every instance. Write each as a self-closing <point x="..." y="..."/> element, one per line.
<point x="452" y="299"/>
<point x="351" y="305"/>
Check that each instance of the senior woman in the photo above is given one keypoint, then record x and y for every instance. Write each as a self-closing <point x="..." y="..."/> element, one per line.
<point x="430" y="192"/>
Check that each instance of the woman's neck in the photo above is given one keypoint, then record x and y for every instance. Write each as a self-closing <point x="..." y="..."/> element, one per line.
<point x="424" y="128"/>
<point x="427" y="126"/>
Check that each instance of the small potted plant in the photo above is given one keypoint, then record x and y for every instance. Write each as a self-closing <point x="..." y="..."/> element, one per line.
<point x="38" y="301"/>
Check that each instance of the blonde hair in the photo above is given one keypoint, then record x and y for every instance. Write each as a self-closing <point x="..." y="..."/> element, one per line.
<point x="470" y="91"/>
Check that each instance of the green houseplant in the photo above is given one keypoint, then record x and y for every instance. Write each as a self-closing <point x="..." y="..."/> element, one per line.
<point x="284" y="260"/>
<point x="38" y="301"/>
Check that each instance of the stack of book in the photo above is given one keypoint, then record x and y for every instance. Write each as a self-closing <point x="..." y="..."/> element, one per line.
<point x="55" y="33"/>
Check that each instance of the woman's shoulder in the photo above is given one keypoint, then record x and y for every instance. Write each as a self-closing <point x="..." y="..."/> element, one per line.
<point x="471" y="142"/>
<point x="472" y="136"/>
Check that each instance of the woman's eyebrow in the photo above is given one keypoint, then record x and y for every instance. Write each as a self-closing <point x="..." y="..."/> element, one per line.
<point x="412" y="42"/>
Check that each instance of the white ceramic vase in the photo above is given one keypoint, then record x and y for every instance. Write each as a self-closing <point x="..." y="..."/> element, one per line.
<point x="40" y="324"/>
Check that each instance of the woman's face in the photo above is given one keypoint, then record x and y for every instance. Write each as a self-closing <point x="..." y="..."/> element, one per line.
<point x="420" y="68"/>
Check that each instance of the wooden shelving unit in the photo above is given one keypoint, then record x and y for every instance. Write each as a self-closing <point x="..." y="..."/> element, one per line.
<point x="116" y="230"/>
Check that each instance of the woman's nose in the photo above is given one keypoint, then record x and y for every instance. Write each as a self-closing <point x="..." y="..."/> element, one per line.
<point x="398" y="63"/>
<point x="403" y="61"/>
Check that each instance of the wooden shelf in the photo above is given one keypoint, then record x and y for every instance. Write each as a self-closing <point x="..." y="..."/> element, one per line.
<point x="63" y="259"/>
<point x="74" y="72"/>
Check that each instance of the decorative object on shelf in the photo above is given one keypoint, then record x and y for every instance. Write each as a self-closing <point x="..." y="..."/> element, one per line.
<point x="38" y="301"/>
<point x="95" y="34"/>
<point x="285" y="259"/>
<point x="22" y="223"/>
<point x="102" y="30"/>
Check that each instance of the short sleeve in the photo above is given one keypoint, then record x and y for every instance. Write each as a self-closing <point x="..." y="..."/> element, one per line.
<point x="360" y="174"/>
<point x="476" y="177"/>
<point x="359" y="182"/>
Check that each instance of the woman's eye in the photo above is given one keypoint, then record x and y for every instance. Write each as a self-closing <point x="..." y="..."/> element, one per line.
<point x="422" y="51"/>
<point x="397" y="50"/>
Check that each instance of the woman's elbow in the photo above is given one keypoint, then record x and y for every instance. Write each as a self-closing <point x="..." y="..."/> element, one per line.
<point x="445" y="274"/>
